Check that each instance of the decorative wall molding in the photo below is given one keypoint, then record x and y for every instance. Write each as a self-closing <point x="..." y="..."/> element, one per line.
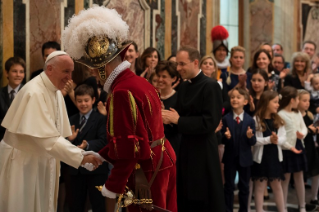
<point x="27" y="37"/>
<point x="200" y="15"/>
<point x="64" y="4"/>
<point x="178" y="15"/>
<point x="147" y="27"/>
<point x="155" y="12"/>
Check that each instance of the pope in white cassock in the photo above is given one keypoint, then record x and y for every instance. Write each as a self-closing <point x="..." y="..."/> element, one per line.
<point x="34" y="144"/>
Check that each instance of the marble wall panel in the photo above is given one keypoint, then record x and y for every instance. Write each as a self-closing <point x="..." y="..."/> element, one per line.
<point x="69" y="10"/>
<point x="159" y="25"/>
<point x="42" y="28"/>
<point x="174" y="27"/>
<point x="153" y="4"/>
<point x="1" y="44"/>
<point x="310" y="23"/>
<point x="87" y="4"/>
<point x="7" y="36"/>
<point x="189" y="11"/>
<point x="98" y="2"/>
<point x="284" y="19"/>
<point x="202" y="34"/>
<point x="261" y="23"/>
<point x="305" y="10"/>
<point x="19" y="27"/>
<point x="135" y="19"/>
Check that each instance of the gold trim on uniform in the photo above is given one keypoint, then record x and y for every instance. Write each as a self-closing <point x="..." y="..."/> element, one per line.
<point x="111" y="114"/>
<point x="133" y="108"/>
<point x="149" y="105"/>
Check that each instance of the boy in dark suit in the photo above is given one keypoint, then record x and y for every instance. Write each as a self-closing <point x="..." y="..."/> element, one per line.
<point x="88" y="133"/>
<point x="238" y="136"/>
<point x="15" y="73"/>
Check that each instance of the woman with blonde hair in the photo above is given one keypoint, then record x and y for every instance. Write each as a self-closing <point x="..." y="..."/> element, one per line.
<point x="299" y="72"/>
<point x="237" y="76"/>
<point x="208" y="66"/>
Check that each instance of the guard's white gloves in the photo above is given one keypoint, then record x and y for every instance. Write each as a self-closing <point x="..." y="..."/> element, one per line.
<point x="107" y="193"/>
<point x="88" y="166"/>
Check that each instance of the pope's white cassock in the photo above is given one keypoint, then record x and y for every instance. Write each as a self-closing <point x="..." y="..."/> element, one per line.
<point x="32" y="148"/>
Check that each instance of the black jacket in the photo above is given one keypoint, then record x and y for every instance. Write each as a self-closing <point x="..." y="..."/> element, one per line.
<point x="4" y="106"/>
<point x="94" y="132"/>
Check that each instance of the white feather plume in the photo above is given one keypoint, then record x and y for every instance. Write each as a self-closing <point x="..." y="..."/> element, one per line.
<point x="96" y="21"/>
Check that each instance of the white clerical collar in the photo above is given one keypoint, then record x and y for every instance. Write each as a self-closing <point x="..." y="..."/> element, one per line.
<point x="223" y="64"/>
<point x="119" y="69"/>
<point x="241" y="116"/>
<point x="47" y="82"/>
<point x="190" y="80"/>
<point x="15" y="90"/>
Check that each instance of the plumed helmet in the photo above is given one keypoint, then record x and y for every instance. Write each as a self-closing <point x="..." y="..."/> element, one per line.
<point x="94" y="37"/>
<point x="219" y="34"/>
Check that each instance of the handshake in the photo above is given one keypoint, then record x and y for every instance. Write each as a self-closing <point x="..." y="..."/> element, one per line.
<point x="91" y="160"/>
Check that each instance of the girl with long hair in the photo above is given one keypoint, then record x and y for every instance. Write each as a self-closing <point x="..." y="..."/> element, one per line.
<point x="311" y="152"/>
<point x="267" y="154"/>
<point x="259" y="84"/>
<point x="296" y="132"/>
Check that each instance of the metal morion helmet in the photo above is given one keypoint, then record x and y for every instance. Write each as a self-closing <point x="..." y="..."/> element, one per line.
<point x="94" y="37"/>
<point x="219" y="35"/>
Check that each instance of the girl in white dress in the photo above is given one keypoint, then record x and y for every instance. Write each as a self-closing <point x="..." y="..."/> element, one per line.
<point x="296" y="131"/>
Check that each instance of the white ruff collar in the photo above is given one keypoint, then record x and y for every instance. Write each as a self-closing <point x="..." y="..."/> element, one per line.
<point x="223" y="64"/>
<point x="123" y="66"/>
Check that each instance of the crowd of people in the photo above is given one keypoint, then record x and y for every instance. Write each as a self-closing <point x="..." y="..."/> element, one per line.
<point x="219" y="118"/>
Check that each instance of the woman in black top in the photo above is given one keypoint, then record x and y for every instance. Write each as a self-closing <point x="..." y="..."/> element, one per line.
<point x="262" y="60"/>
<point x="300" y="65"/>
<point x="167" y="76"/>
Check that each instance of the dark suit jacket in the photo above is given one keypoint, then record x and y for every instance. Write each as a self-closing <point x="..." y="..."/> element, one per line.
<point x="4" y="106"/>
<point x="245" y="155"/>
<point x="94" y="132"/>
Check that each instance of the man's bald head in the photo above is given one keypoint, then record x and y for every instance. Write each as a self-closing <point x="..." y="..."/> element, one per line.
<point x="59" y="70"/>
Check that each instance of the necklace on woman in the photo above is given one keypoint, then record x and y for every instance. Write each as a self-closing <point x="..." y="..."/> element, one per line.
<point x="238" y="71"/>
<point x="168" y="96"/>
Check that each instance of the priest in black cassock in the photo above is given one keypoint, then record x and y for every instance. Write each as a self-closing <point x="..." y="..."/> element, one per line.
<point x="197" y="115"/>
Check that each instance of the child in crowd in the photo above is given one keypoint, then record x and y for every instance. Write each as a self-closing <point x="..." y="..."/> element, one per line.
<point x="259" y="84"/>
<point x="311" y="152"/>
<point x="267" y="153"/>
<point x="296" y="131"/>
<point x="88" y="133"/>
<point x="238" y="136"/>
<point x="154" y="80"/>
<point x="312" y="85"/>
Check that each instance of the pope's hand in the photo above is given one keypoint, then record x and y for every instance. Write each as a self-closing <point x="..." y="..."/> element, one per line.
<point x="95" y="154"/>
<point x="91" y="159"/>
